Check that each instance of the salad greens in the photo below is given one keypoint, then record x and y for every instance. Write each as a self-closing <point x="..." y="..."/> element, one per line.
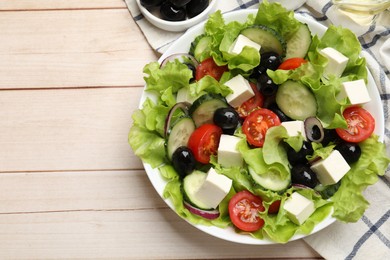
<point x="146" y="136"/>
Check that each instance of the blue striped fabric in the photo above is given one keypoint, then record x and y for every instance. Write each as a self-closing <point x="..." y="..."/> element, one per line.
<point x="369" y="238"/>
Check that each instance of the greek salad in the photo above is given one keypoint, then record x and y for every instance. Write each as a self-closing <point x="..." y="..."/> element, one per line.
<point x="261" y="126"/>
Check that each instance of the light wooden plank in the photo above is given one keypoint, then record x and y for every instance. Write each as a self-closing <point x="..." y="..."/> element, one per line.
<point x="67" y="129"/>
<point x="110" y="214"/>
<point x="75" y="191"/>
<point x="71" y="48"/>
<point x="59" y="4"/>
<point x="134" y="234"/>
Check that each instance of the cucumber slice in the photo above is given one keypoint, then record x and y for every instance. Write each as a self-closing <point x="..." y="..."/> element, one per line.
<point x="269" y="39"/>
<point x="296" y="100"/>
<point x="179" y="134"/>
<point x="298" y="45"/>
<point x="200" y="47"/>
<point x="202" y="110"/>
<point x="191" y="184"/>
<point x="270" y="181"/>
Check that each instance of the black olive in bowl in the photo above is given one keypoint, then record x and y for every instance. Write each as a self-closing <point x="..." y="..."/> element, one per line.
<point x="175" y="22"/>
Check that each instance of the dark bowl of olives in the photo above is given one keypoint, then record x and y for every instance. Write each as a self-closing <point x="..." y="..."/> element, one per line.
<point x="176" y="15"/>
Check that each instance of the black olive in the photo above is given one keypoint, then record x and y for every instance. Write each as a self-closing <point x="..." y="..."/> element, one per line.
<point x="183" y="161"/>
<point x="270" y="60"/>
<point x="302" y="174"/>
<point x="179" y="3"/>
<point x="282" y="116"/>
<point x="195" y="7"/>
<point x="150" y="3"/>
<point x="316" y="132"/>
<point x="330" y="136"/>
<point x="170" y="12"/>
<point x="299" y="157"/>
<point x="350" y="151"/>
<point x="259" y="70"/>
<point x="266" y="86"/>
<point x="226" y="118"/>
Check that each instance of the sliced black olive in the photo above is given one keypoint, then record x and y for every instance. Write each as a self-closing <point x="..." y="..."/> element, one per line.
<point x="299" y="157"/>
<point x="266" y="86"/>
<point x="350" y="151"/>
<point x="183" y="161"/>
<point x="302" y="174"/>
<point x="170" y="12"/>
<point x="195" y="7"/>
<point x="226" y="118"/>
<point x="314" y="130"/>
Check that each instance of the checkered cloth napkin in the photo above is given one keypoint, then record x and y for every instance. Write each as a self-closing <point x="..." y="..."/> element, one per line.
<point x="369" y="238"/>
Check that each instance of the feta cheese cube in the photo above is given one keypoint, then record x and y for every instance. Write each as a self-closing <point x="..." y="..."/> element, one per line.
<point x="337" y="62"/>
<point x="183" y="95"/>
<point x="240" y="42"/>
<point x="295" y="128"/>
<point x="356" y="92"/>
<point x="242" y="91"/>
<point x="228" y="155"/>
<point x="331" y="169"/>
<point x="298" y="208"/>
<point x="214" y="189"/>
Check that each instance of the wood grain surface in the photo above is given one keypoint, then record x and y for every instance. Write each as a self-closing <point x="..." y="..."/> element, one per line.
<point x="70" y="185"/>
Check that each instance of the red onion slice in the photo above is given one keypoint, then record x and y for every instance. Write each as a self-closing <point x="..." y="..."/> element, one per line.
<point x="184" y="106"/>
<point x="208" y="214"/>
<point x="314" y="130"/>
<point x="179" y="56"/>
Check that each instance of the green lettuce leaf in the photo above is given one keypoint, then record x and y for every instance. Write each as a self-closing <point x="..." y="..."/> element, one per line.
<point x="349" y="202"/>
<point x="174" y="75"/>
<point x="275" y="16"/>
<point x="223" y="35"/>
<point x="145" y="135"/>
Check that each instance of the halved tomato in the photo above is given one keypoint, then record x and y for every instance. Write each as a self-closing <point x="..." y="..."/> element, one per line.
<point x="251" y="104"/>
<point x="256" y="125"/>
<point x="204" y="142"/>
<point x="291" y="63"/>
<point x="244" y="208"/>
<point x="360" y="122"/>
<point x="209" y="67"/>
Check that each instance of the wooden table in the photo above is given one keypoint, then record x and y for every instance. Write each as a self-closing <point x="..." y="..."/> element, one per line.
<point x="70" y="186"/>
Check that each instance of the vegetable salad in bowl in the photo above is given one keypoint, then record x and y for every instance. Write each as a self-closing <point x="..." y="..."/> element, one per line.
<point x="261" y="129"/>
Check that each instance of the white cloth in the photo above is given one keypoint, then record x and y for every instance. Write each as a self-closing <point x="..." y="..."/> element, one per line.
<point x="369" y="238"/>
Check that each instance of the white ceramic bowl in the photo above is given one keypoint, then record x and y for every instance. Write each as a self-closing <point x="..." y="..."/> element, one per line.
<point x="153" y="18"/>
<point x="182" y="45"/>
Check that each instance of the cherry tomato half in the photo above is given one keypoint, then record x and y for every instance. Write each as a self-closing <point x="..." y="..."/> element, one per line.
<point x="209" y="67"/>
<point x="360" y="122"/>
<point x="244" y="208"/>
<point x="251" y="104"/>
<point x="257" y="123"/>
<point x="204" y="142"/>
<point x="291" y="63"/>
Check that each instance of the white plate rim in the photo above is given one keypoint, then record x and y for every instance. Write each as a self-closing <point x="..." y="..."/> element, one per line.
<point x="181" y="45"/>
